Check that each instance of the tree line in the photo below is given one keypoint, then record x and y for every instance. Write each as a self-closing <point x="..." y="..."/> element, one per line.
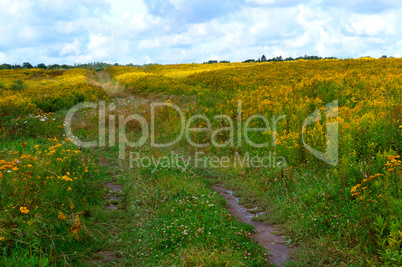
<point x="263" y="58"/>
<point x="97" y="66"/>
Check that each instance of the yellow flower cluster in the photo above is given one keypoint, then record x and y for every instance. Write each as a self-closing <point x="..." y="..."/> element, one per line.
<point x="61" y="216"/>
<point x="371" y="178"/>
<point x="66" y="178"/>
<point x="4" y="165"/>
<point x="393" y="162"/>
<point x="357" y="189"/>
<point x="24" y="210"/>
<point x="75" y="229"/>
<point x="32" y="91"/>
<point x="21" y="167"/>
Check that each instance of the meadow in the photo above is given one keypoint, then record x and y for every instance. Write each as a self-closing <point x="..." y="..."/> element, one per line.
<point x="347" y="212"/>
<point x="350" y="211"/>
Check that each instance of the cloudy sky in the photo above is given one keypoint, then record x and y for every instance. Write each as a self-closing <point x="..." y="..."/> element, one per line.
<point x="181" y="31"/>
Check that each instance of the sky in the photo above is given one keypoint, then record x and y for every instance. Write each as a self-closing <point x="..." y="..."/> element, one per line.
<point x="186" y="31"/>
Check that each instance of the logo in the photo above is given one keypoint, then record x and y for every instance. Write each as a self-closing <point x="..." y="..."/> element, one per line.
<point x="148" y="129"/>
<point x="331" y="154"/>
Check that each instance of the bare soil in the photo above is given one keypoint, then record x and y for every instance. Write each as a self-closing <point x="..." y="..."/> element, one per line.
<point x="274" y="244"/>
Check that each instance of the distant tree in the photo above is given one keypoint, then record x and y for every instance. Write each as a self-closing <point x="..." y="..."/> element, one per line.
<point x="249" y="60"/>
<point x="53" y="67"/>
<point x="384" y="56"/>
<point x="27" y="65"/>
<point x="212" y="61"/>
<point x="41" y="66"/>
<point x="224" y="61"/>
<point x="263" y="58"/>
<point x="6" y="66"/>
<point x="277" y="58"/>
<point x="65" y="66"/>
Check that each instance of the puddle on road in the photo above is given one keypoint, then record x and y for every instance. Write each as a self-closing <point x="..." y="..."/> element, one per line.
<point x="110" y="207"/>
<point x="115" y="188"/>
<point x="278" y="252"/>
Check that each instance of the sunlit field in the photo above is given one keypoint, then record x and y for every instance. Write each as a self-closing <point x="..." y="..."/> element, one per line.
<point x="335" y="197"/>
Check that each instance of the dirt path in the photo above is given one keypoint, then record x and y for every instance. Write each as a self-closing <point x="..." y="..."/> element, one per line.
<point x="274" y="244"/>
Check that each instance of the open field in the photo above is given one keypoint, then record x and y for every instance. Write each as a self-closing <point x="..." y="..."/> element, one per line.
<point x="342" y="207"/>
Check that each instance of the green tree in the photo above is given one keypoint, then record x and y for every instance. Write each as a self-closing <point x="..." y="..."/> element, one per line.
<point x="27" y="65"/>
<point x="41" y="66"/>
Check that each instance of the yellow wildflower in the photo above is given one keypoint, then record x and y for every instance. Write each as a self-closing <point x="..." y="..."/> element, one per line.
<point x="76" y="227"/>
<point x="65" y="178"/>
<point x="61" y="216"/>
<point x="24" y="210"/>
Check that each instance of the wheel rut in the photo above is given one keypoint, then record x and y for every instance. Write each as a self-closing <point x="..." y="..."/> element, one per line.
<point x="274" y="244"/>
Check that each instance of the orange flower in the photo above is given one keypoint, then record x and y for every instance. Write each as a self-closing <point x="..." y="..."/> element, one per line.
<point x="61" y="216"/>
<point x="75" y="229"/>
<point x="24" y="210"/>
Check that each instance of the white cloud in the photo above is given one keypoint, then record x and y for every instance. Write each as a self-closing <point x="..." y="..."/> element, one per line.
<point x="3" y="58"/>
<point x="261" y="2"/>
<point x="99" y="45"/>
<point x="178" y="4"/>
<point x="70" y="27"/>
<point x="371" y="25"/>
<point x="283" y="3"/>
<point x="71" y="49"/>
